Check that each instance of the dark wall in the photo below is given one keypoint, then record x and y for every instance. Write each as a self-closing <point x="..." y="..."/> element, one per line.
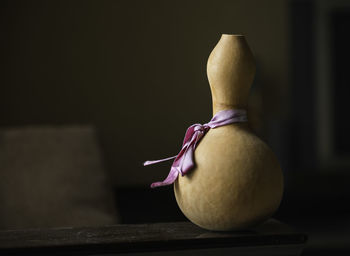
<point x="135" y="69"/>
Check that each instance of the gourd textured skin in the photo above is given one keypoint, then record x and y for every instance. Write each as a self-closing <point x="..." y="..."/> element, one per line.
<point x="237" y="181"/>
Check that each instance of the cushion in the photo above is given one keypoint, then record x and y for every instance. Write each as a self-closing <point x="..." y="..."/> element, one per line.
<point x="53" y="177"/>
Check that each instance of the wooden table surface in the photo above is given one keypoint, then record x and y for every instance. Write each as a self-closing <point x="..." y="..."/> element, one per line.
<point x="136" y="238"/>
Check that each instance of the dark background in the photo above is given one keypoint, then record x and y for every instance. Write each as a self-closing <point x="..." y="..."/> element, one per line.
<point x="137" y="71"/>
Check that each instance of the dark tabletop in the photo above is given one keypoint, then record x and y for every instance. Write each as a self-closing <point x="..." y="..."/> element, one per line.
<point x="142" y="238"/>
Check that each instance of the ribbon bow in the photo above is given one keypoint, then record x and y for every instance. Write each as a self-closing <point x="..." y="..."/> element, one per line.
<point x="184" y="161"/>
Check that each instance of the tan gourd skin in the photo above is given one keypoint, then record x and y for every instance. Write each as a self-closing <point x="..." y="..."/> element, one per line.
<point x="237" y="182"/>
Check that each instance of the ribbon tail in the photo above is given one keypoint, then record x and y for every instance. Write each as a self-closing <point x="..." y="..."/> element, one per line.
<point x="158" y="161"/>
<point x="169" y="180"/>
<point x="189" y="133"/>
<point x="187" y="162"/>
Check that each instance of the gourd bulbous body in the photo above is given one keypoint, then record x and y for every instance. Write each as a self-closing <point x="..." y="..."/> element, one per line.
<point x="237" y="181"/>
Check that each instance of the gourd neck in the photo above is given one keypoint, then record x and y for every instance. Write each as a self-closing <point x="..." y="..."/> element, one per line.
<point x="230" y="70"/>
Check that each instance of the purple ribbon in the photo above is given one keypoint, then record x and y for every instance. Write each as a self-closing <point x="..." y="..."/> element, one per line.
<point x="184" y="161"/>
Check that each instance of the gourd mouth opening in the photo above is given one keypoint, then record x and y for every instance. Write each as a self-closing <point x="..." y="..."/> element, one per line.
<point x="233" y="35"/>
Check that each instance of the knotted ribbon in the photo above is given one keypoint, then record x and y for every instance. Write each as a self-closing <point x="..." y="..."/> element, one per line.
<point x="184" y="161"/>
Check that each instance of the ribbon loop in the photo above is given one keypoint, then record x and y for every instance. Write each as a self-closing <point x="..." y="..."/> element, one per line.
<point x="184" y="161"/>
